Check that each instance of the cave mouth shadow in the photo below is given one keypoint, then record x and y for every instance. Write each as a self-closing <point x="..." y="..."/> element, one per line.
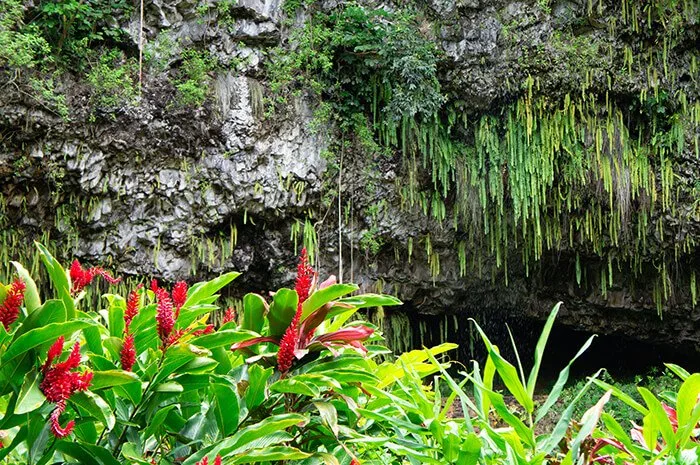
<point x="623" y="357"/>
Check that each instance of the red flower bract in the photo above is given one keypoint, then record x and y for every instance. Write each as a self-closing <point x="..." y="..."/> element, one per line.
<point x="179" y="296"/>
<point x="229" y="316"/>
<point x="60" y="382"/>
<point x="305" y="277"/>
<point x="205" y="461"/>
<point x="9" y="308"/>
<point x="206" y="330"/>
<point x="81" y="277"/>
<point x="132" y="306"/>
<point x="288" y="343"/>
<point x="128" y="353"/>
<point x="165" y="320"/>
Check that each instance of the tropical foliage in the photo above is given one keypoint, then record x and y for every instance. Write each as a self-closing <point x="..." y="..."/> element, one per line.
<point x="295" y="378"/>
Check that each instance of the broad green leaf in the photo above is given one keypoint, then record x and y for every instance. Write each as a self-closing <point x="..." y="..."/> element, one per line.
<point x="95" y="406"/>
<point x="539" y="349"/>
<point x="371" y="300"/>
<point x="470" y="450"/>
<point x="682" y="373"/>
<point x="176" y="357"/>
<point x="329" y="416"/>
<point x="115" y="314"/>
<point x="170" y="386"/>
<point x="226" y="408"/>
<point x="295" y="386"/>
<point x="32" y="301"/>
<point x="323" y="296"/>
<point x="687" y="398"/>
<point x="86" y="453"/>
<point x="30" y="396"/>
<point x="254" y="309"/>
<point x="201" y="291"/>
<point x="43" y="335"/>
<point x="199" y="365"/>
<point x="223" y="338"/>
<point x="53" y="311"/>
<point x="617" y="430"/>
<point x="157" y="421"/>
<point x="111" y="378"/>
<point x="59" y="279"/>
<point x="650" y="430"/>
<point x="271" y="454"/>
<point x="282" y="310"/>
<point x="657" y="410"/>
<point x="257" y="385"/>
<point x="265" y="433"/>
<point x="131" y="452"/>
<point x="189" y="314"/>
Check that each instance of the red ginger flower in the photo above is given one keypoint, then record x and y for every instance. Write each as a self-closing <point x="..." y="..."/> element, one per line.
<point x="305" y="277"/>
<point x="174" y="337"/>
<point x="288" y="343"/>
<point x="154" y="285"/>
<point x="165" y="319"/>
<point x="354" y="461"/>
<point x="81" y="277"/>
<point x="207" y="330"/>
<point x="60" y="382"/>
<point x="9" y="308"/>
<point x="179" y="296"/>
<point x="133" y="302"/>
<point x="205" y="461"/>
<point x="128" y="352"/>
<point x="229" y="315"/>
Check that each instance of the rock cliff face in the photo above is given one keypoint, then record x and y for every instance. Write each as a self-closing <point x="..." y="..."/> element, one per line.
<point x="154" y="188"/>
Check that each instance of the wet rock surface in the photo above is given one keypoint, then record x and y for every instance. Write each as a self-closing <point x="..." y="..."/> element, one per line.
<point x="160" y="190"/>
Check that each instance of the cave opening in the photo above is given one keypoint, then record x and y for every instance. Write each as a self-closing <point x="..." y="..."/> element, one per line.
<point x="623" y="357"/>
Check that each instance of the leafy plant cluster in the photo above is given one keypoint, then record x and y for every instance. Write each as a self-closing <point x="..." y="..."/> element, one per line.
<point x="193" y="84"/>
<point x="57" y="30"/>
<point x="290" y="379"/>
<point x="359" y="61"/>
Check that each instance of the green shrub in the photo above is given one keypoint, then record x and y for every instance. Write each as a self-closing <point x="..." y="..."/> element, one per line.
<point x="193" y="83"/>
<point x="112" y="78"/>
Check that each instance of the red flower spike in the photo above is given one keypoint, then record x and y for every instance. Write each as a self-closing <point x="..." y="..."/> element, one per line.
<point x="205" y="461"/>
<point x="82" y="277"/>
<point x="305" y="277"/>
<point x="128" y="353"/>
<point x="60" y="382"/>
<point x="354" y="461"/>
<point x="55" y="351"/>
<point x="9" y="308"/>
<point x="229" y="316"/>
<point x="165" y="320"/>
<point x="179" y="296"/>
<point x="200" y="332"/>
<point x="288" y="344"/>
<point x="154" y="285"/>
<point x="56" y="429"/>
<point x="133" y="303"/>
